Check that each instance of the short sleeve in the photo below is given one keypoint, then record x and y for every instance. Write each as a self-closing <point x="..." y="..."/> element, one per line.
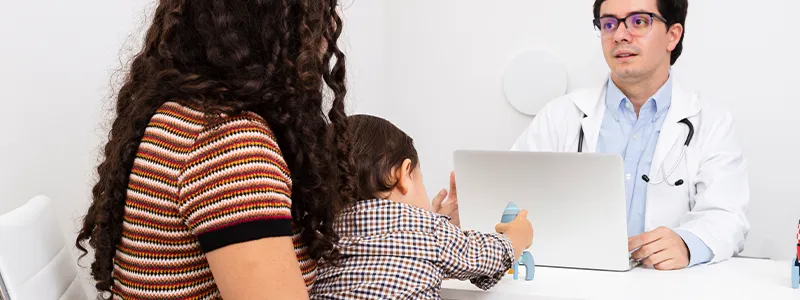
<point x="235" y="185"/>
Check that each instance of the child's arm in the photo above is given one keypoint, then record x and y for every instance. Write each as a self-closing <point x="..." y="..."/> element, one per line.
<point x="483" y="258"/>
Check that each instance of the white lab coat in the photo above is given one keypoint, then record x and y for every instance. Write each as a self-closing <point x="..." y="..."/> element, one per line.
<point x="713" y="201"/>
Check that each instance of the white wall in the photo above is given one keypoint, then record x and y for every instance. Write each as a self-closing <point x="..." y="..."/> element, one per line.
<point x="445" y="61"/>
<point x="363" y="42"/>
<point x="56" y="62"/>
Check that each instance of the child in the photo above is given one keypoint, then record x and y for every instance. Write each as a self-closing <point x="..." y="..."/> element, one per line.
<point x="392" y="246"/>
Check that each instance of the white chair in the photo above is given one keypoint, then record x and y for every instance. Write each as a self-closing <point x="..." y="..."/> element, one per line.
<point x="35" y="261"/>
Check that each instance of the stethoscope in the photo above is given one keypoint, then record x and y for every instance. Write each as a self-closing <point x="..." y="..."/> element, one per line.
<point x="664" y="175"/>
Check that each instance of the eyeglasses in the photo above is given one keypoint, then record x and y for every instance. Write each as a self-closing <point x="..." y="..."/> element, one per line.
<point x="637" y="24"/>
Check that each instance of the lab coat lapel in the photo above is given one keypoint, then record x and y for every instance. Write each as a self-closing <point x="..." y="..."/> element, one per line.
<point x="589" y="104"/>
<point x="673" y="134"/>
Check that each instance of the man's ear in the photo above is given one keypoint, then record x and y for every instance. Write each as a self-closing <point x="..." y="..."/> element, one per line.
<point x="403" y="176"/>
<point x="675" y="33"/>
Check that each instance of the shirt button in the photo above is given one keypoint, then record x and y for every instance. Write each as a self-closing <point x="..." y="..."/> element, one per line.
<point x="628" y="105"/>
<point x="635" y="137"/>
<point x="628" y="176"/>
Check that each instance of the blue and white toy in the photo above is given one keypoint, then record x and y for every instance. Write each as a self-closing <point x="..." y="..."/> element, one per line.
<point x="510" y="213"/>
<point x="795" y="274"/>
<point x="526" y="259"/>
<point x="796" y="262"/>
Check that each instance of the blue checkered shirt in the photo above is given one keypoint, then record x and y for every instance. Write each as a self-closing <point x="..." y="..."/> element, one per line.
<point x="392" y="250"/>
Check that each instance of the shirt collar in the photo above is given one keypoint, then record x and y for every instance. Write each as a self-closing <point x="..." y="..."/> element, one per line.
<point x="378" y="216"/>
<point x="662" y="99"/>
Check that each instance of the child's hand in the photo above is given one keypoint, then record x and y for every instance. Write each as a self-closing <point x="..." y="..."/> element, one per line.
<point x="519" y="231"/>
<point x="450" y="207"/>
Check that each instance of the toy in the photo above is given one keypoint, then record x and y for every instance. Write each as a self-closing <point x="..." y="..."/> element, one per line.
<point x="526" y="259"/>
<point x="509" y="213"/>
<point x="796" y="264"/>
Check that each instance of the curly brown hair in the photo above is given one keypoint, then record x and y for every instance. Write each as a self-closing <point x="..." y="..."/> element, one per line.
<point x="272" y="58"/>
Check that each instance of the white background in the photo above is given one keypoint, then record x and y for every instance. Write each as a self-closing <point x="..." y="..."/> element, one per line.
<point x="57" y="63"/>
<point x="434" y="67"/>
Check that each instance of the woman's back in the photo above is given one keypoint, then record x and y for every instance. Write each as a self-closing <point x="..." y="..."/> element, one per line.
<point x="194" y="197"/>
<point x="195" y="188"/>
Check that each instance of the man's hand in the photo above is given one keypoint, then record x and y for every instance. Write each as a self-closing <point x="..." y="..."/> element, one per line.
<point x="661" y="248"/>
<point x="450" y="207"/>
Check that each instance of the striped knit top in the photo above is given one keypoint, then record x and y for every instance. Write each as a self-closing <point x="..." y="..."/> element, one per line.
<point x="195" y="188"/>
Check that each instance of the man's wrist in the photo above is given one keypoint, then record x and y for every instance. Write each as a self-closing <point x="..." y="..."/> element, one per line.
<point x="688" y="251"/>
<point x="697" y="251"/>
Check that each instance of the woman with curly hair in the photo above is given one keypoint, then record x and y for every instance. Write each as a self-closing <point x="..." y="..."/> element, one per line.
<point x="218" y="179"/>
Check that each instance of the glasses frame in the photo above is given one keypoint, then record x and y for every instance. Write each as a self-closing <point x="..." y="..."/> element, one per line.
<point x="653" y="16"/>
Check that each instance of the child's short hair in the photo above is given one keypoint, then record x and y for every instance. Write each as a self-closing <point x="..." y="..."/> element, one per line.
<point x="377" y="147"/>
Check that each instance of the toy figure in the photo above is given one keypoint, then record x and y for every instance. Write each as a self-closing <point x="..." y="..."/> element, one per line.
<point x="796" y="264"/>
<point x="526" y="259"/>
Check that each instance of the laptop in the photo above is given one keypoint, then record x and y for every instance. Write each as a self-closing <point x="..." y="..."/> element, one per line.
<point x="575" y="202"/>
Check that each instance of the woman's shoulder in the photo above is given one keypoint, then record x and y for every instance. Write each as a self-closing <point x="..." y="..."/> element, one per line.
<point x="195" y="121"/>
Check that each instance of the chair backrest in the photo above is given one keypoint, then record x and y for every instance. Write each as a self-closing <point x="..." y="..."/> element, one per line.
<point x="3" y="289"/>
<point x="35" y="262"/>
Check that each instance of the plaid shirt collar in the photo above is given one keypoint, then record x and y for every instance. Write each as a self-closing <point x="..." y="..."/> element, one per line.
<point x="380" y="216"/>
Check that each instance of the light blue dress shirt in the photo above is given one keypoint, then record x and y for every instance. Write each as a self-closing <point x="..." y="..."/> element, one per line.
<point x="635" y="140"/>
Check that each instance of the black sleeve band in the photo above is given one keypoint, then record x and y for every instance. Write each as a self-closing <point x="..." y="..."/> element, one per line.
<point x="244" y="232"/>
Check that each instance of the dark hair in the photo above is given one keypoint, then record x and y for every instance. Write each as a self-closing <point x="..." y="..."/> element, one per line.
<point x="674" y="11"/>
<point x="378" y="147"/>
<point x="272" y="58"/>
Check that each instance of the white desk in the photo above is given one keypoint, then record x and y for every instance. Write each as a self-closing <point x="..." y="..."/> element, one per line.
<point x="737" y="278"/>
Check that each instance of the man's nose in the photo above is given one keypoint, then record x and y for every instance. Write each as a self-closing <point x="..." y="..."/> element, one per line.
<point x="622" y="34"/>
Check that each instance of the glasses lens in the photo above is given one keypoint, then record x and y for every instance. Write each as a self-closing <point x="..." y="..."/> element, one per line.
<point x="639" y="24"/>
<point x="608" y="25"/>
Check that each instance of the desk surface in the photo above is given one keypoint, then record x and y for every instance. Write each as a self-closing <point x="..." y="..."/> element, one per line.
<point x="737" y="278"/>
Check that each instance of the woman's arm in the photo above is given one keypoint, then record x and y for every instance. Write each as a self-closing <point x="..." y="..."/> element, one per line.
<point x="261" y="269"/>
<point x="236" y="198"/>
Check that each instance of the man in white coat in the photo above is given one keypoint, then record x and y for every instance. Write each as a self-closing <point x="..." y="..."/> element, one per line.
<point x="686" y="205"/>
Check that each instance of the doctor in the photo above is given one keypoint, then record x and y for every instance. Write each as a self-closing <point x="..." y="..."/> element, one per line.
<point x="686" y="205"/>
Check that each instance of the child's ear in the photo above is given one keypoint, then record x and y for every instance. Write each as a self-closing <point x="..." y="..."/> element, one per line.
<point x="403" y="176"/>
